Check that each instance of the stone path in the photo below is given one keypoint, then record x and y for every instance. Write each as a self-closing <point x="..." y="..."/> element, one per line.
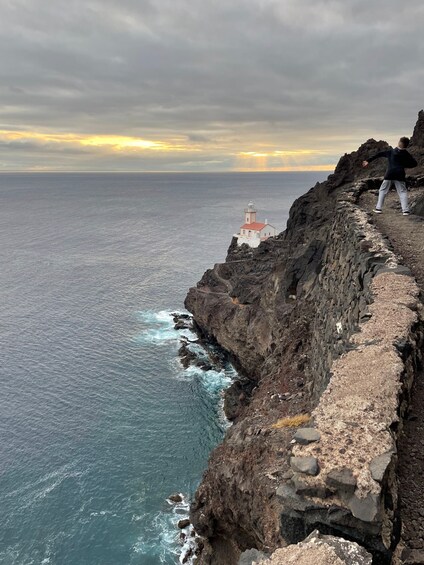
<point x="406" y="235"/>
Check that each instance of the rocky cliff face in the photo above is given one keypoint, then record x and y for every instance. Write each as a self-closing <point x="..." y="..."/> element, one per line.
<point x="285" y="312"/>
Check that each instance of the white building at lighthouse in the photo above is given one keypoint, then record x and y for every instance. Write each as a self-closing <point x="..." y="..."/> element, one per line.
<point x="253" y="232"/>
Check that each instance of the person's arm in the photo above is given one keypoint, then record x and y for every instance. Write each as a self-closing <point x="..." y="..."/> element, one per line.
<point x="374" y="157"/>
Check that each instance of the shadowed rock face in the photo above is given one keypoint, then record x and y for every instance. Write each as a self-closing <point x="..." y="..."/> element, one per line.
<point x="418" y="206"/>
<point x="417" y="139"/>
<point x="285" y="311"/>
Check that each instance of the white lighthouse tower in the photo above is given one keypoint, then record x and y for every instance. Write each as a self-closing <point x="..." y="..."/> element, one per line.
<point x="253" y="232"/>
<point x="250" y="213"/>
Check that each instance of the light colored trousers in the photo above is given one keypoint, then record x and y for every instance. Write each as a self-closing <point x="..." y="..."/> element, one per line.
<point x="401" y="190"/>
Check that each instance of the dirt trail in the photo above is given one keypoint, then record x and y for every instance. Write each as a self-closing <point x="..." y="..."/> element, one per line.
<point x="406" y="235"/>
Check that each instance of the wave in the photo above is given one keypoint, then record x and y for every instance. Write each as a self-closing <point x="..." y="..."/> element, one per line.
<point x="163" y="539"/>
<point x="167" y="540"/>
<point x="32" y="493"/>
<point x="159" y="328"/>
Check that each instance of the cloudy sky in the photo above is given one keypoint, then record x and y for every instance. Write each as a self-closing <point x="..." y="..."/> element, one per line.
<point x="204" y="85"/>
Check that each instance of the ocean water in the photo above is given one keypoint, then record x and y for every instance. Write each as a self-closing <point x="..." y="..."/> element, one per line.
<point x="99" y="423"/>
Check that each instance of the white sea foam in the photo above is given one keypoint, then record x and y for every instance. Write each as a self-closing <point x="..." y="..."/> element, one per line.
<point x="165" y="538"/>
<point x="171" y="539"/>
<point x="159" y="328"/>
<point x="32" y="493"/>
<point x="103" y="513"/>
<point x="160" y="539"/>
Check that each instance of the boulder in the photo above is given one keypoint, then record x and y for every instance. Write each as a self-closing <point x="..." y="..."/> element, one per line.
<point x="307" y="465"/>
<point x="342" y="480"/>
<point x="176" y="497"/>
<point x="306" y="435"/>
<point x="366" y="509"/>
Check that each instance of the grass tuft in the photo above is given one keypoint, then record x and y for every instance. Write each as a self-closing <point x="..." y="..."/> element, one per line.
<point x="291" y="421"/>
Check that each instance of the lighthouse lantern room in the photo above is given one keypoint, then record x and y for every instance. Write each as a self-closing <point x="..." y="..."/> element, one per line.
<point x="253" y="232"/>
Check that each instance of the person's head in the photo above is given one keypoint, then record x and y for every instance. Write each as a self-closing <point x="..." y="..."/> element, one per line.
<point x="403" y="142"/>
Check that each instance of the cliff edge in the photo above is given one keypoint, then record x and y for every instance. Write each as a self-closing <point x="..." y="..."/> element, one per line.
<point x="325" y="325"/>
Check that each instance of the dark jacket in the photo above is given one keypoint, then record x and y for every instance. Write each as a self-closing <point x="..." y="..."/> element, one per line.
<point x="399" y="160"/>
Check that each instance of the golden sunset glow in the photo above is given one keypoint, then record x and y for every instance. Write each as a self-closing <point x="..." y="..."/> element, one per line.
<point x="280" y="153"/>
<point x="281" y="160"/>
<point x="289" y="168"/>
<point x="116" y="143"/>
<point x="263" y="157"/>
<point x="119" y="142"/>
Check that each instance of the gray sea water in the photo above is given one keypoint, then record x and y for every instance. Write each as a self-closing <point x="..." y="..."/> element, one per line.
<point x="98" y="421"/>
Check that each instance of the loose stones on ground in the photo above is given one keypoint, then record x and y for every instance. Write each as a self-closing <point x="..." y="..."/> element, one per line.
<point x="307" y="465"/>
<point x="306" y="435"/>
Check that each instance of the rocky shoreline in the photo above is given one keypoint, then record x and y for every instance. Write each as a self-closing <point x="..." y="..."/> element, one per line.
<point x="324" y="302"/>
<point x="206" y="355"/>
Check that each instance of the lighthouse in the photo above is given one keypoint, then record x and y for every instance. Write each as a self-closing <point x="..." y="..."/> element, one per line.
<point x="250" y="214"/>
<point x="253" y="232"/>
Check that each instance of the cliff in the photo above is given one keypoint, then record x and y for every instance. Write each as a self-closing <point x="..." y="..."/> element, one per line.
<point x="324" y="323"/>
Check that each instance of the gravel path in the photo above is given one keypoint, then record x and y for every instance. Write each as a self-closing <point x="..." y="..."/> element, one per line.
<point x="406" y="235"/>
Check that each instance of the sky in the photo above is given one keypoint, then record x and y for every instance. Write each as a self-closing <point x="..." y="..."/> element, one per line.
<point x="204" y="85"/>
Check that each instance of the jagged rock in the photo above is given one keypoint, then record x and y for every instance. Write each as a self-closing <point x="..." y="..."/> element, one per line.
<point x="183" y="325"/>
<point x="176" y="497"/>
<point x="306" y="489"/>
<point x="366" y="509"/>
<point x="349" y="169"/>
<point x="182" y="321"/>
<point x="183" y="523"/>
<point x="418" y="206"/>
<point x="306" y="435"/>
<point x="180" y="316"/>
<point x="189" y="357"/>
<point x="418" y="135"/>
<point x="341" y="480"/>
<point x="236" y="397"/>
<point x="379" y="465"/>
<point x="287" y="494"/>
<point x="188" y="555"/>
<point x="307" y="465"/>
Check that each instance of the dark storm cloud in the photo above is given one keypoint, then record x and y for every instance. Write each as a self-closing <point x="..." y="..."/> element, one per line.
<point x="304" y="73"/>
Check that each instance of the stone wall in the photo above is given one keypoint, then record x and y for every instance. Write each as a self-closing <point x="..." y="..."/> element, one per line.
<point x="341" y="290"/>
<point x="344" y="463"/>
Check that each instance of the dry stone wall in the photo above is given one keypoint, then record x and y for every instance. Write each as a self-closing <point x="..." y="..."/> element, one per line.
<point x="367" y="345"/>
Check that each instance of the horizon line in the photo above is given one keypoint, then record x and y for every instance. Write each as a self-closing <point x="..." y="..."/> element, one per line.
<point x="73" y="171"/>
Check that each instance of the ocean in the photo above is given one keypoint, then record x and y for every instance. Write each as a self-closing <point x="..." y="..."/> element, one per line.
<point x="99" y="422"/>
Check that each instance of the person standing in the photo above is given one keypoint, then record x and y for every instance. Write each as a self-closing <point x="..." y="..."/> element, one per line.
<point x="399" y="160"/>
